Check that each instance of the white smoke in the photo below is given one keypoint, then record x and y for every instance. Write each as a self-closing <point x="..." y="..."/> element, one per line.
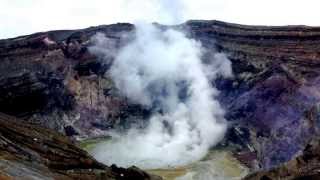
<point x="162" y="11"/>
<point x="162" y="70"/>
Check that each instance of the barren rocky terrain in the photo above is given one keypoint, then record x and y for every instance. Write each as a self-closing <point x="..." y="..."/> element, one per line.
<point x="51" y="80"/>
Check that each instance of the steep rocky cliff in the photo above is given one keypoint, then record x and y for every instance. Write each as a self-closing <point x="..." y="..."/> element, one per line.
<point x="272" y="102"/>
<point x="274" y="98"/>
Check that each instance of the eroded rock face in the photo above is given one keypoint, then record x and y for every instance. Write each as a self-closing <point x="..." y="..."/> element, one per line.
<point x="30" y="151"/>
<point x="306" y="166"/>
<point x="272" y="102"/>
<point x="51" y="78"/>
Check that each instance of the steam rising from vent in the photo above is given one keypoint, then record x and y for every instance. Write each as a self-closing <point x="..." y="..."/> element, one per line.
<point x="162" y="70"/>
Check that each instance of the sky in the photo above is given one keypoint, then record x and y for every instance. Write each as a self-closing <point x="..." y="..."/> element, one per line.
<point x="21" y="17"/>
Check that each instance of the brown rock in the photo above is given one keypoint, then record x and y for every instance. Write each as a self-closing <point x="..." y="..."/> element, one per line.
<point x="28" y="151"/>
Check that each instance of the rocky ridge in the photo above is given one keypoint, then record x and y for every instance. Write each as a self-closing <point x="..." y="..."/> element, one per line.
<point x="272" y="102"/>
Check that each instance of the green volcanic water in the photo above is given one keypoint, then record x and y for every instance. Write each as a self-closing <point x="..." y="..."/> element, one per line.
<point x="217" y="165"/>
